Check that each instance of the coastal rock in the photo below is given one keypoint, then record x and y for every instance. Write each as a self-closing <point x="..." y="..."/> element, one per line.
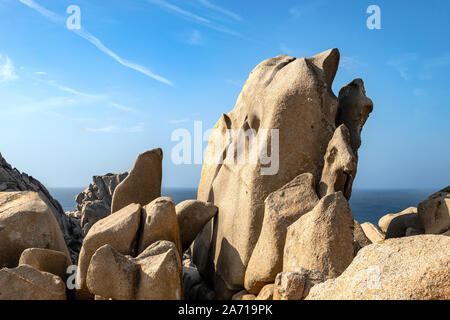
<point x="160" y="223"/>
<point x="27" y="283"/>
<point x="282" y="208"/>
<point x="243" y="295"/>
<point x="405" y="225"/>
<point x="192" y="216"/>
<point x="194" y="287"/>
<point x="93" y="211"/>
<point x="353" y="110"/>
<point x="12" y="180"/>
<point x="322" y="239"/>
<point x="293" y="96"/>
<point x="156" y="274"/>
<point x="384" y="222"/>
<point x="51" y="261"/>
<point x="410" y="268"/>
<point x="372" y="232"/>
<point x="143" y="184"/>
<point x="296" y="285"/>
<point x="359" y="237"/>
<point x="119" y="230"/>
<point x="435" y="212"/>
<point x="340" y="166"/>
<point x="26" y="221"/>
<point x="266" y="293"/>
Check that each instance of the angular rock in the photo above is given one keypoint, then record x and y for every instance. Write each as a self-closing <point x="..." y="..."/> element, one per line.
<point x="284" y="93"/>
<point x="192" y="216"/>
<point x="296" y="285"/>
<point x="119" y="230"/>
<point x="12" y="180"/>
<point x="282" y="208"/>
<point x="410" y="268"/>
<point x="405" y="225"/>
<point x="353" y="110"/>
<point x="154" y="275"/>
<point x="372" y="232"/>
<point x="435" y="212"/>
<point x="322" y="239"/>
<point x="93" y="211"/>
<point x="27" y="283"/>
<point x="143" y="184"/>
<point x="243" y="295"/>
<point x="384" y="222"/>
<point x="160" y="223"/>
<point x="54" y="262"/>
<point x="360" y="238"/>
<point x="266" y="293"/>
<point x="26" y="221"/>
<point x="340" y="166"/>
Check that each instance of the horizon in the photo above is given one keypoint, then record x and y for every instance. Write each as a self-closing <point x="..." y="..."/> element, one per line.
<point x="79" y="103"/>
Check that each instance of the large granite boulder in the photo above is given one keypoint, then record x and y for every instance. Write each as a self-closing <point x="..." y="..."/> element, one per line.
<point x="282" y="208"/>
<point x="27" y="283"/>
<point x="322" y="239"/>
<point x="410" y="268"/>
<point x="26" y="221"/>
<point x="12" y="180"/>
<point x="143" y="184"/>
<point x="51" y="261"/>
<point x="435" y="212"/>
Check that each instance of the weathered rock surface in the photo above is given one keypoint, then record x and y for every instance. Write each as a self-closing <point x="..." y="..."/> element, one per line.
<point x="284" y="93"/>
<point x="360" y="238"/>
<point x="340" y="166"/>
<point x="160" y="223"/>
<point x="143" y="184"/>
<point x="411" y="268"/>
<point x="93" y="211"/>
<point x="435" y="212"/>
<point x="51" y="261"/>
<point x="372" y="232"/>
<point x="384" y="221"/>
<point x="26" y="221"/>
<point x="296" y="285"/>
<point x="192" y="216"/>
<point x="282" y="208"/>
<point x="194" y="286"/>
<point x="156" y="274"/>
<point x="266" y="292"/>
<point x="322" y="239"/>
<point x="27" y="283"/>
<point x="119" y="230"/>
<point x="243" y="295"/>
<point x="12" y="179"/>
<point x="405" y="225"/>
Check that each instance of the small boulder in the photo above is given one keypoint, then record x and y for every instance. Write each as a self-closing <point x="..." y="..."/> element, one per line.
<point x="322" y="239"/>
<point x="384" y="222"/>
<point x="405" y="225"/>
<point x="435" y="212"/>
<point x="192" y="216"/>
<point x="93" y="211"/>
<point x="51" y="261"/>
<point x="266" y="292"/>
<point x="295" y="285"/>
<point x="372" y="232"/>
<point x="143" y="184"/>
<point x="243" y="295"/>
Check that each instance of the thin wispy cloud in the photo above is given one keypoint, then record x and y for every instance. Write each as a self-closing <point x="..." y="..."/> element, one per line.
<point x="224" y="11"/>
<point x="191" y="16"/>
<point x="195" y="38"/>
<point x="178" y="121"/>
<point x="403" y="63"/>
<point x="74" y="91"/>
<point x="7" y="70"/>
<point x="348" y="62"/>
<point x="96" y="42"/>
<point x="306" y="8"/>
<point x="115" y="129"/>
<point x="41" y="73"/>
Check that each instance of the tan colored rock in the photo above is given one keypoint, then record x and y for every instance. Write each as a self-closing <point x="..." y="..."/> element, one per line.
<point x="384" y="222"/>
<point x="119" y="230"/>
<point x="353" y="110"/>
<point x="160" y="223"/>
<point x="154" y="275"/>
<point x="282" y="208"/>
<point x="143" y="184"/>
<point x="295" y="285"/>
<point x="243" y="295"/>
<point x="51" y="261"/>
<point x="284" y="93"/>
<point x="27" y="283"/>
<point x="360" y="238"/>
<point x="435" y="212"/>
<point x="410" y="268"/>
<point x="266" y="293"/>
<point x="372" y="232"/>
<point x="322" y="239"/>
<point x="340" y="166"/>
<point x="405" y="225"/>
<point x="26" y="221"/>
<point x="192" y="216"/>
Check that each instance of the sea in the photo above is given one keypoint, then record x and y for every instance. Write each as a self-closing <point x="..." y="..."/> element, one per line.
<point x="367" y="205"/>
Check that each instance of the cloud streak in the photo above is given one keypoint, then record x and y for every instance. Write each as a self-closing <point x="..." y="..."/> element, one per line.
<point x="7" y="70"/>
<point x="96" y="42"/>
<point x="224" y="11"/>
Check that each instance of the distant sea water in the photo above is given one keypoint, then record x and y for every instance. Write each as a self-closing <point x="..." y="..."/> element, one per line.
<point x="367" y="205"/>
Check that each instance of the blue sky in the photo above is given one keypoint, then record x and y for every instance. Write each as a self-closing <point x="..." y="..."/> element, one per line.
<point x="77" y="104"/>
